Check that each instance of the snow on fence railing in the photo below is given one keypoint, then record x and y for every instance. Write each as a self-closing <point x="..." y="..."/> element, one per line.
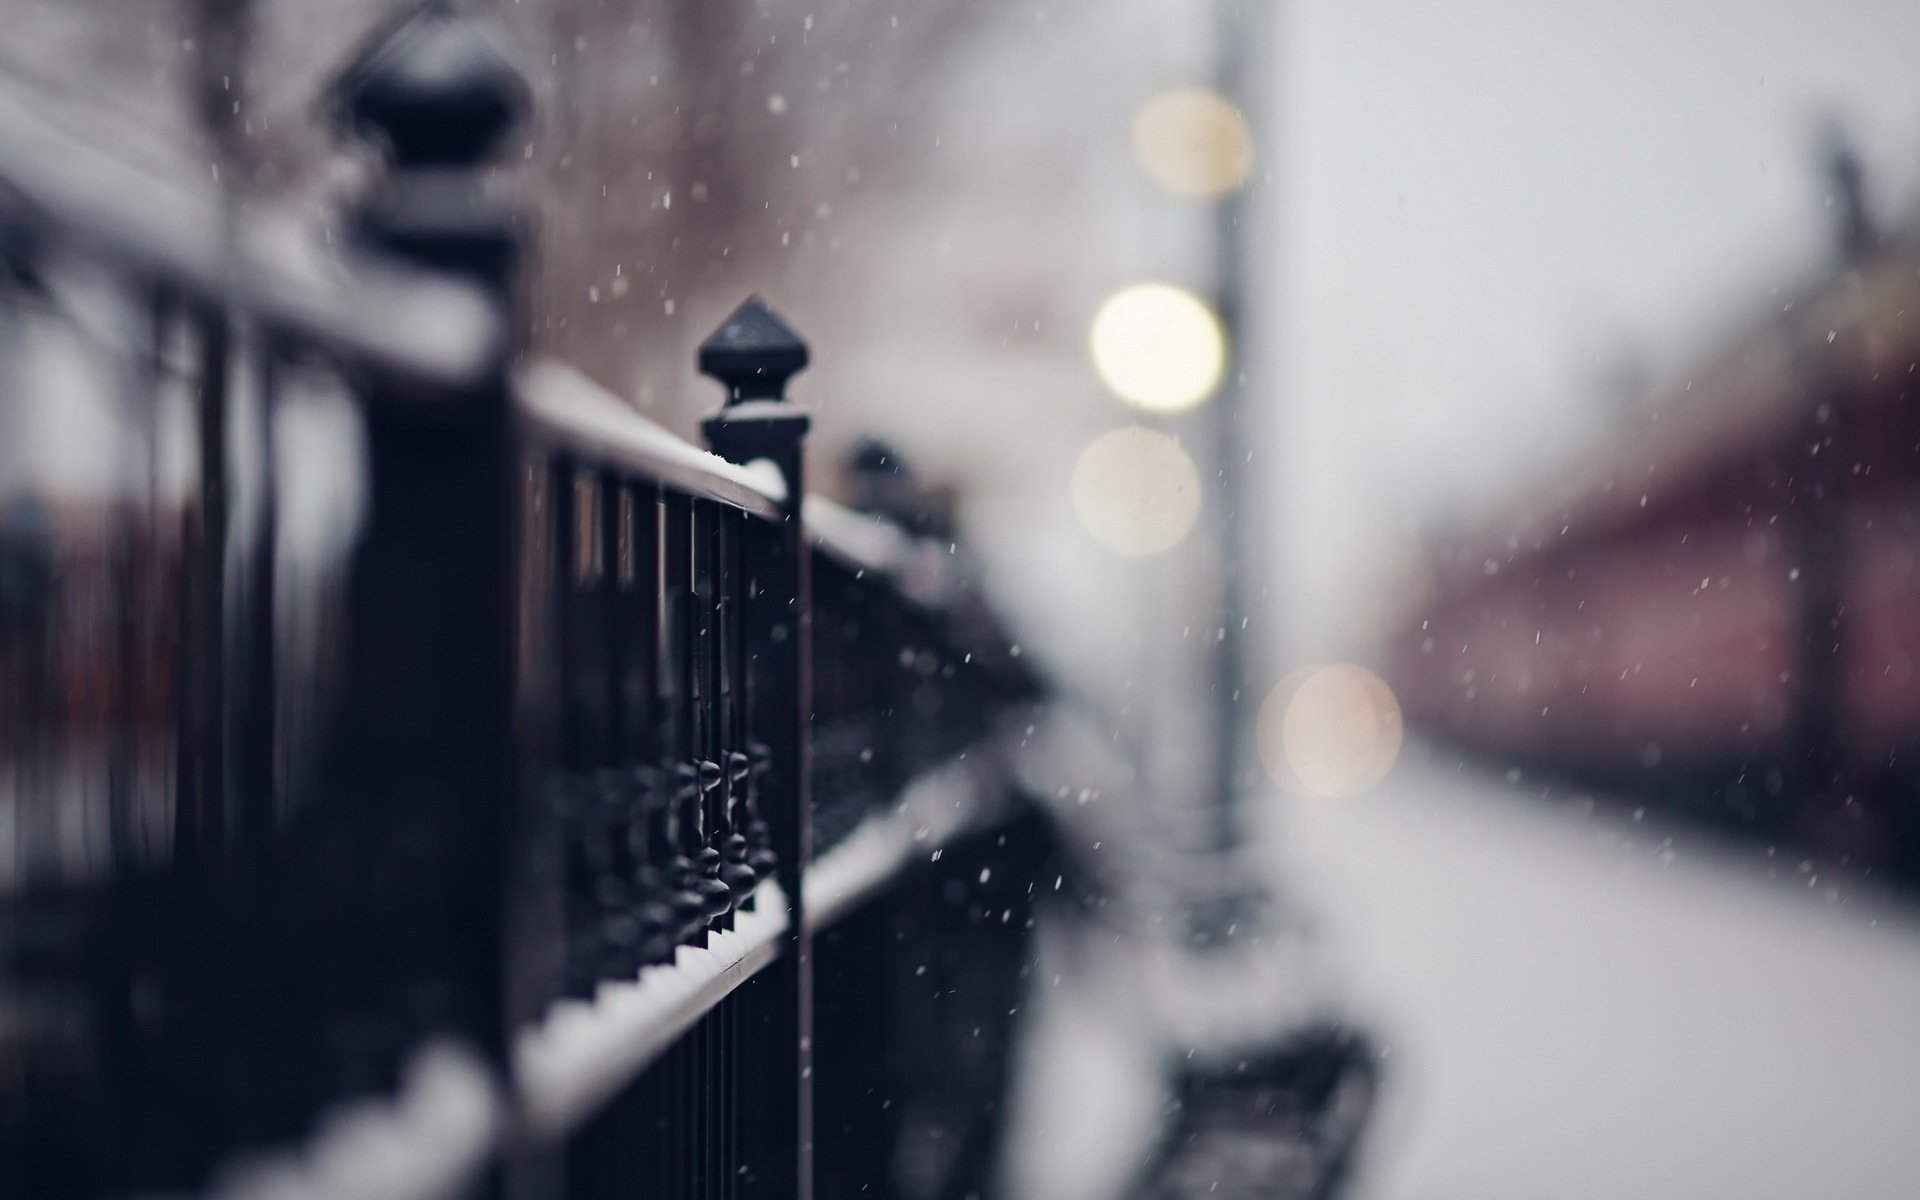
<point x="424" y="775"/>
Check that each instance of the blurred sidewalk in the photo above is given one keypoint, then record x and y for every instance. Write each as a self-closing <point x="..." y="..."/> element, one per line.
<point x="1579" y="1003"/>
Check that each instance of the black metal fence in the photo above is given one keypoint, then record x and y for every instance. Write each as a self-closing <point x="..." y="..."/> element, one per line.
<point x="422" y="776"/>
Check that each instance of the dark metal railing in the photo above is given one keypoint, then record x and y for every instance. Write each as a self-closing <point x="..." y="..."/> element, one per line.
<point x="419" y="774"/>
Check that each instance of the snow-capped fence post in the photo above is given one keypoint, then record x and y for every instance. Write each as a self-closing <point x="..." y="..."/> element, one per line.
<point x="753" y="354"/>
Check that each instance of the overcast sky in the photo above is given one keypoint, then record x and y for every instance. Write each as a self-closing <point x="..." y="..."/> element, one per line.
<point x="1474" y="199"/>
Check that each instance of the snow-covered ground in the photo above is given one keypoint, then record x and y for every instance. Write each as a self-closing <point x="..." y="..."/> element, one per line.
<point x="1581" y="1004"/>
<point x="1474" y="211"/>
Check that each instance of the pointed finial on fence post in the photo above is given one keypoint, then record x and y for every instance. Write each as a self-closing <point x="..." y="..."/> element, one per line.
<point x="437" y="97"/>
<point x="753" y="354"/>
<point x="431" y="89"/>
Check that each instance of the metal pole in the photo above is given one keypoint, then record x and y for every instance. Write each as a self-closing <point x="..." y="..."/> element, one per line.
<point x="1243" y="29"/>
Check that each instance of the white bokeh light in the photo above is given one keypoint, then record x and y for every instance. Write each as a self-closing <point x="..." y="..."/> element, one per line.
<point x="1330" y="731"/>
<point x="1158" y="347"/>
<point x="1136" y="491"/>
<point x="1193" y="142"/>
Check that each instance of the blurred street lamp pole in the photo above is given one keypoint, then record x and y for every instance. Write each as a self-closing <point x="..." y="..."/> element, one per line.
<point x="1242" y="29"/>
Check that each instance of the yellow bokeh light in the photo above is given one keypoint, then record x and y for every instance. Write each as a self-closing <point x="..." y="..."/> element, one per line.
<point x="1136" y="491"/>
<point x="1193" y="142"/>
<point x="1330" y="731"/>
<point x="1158" y="347"/>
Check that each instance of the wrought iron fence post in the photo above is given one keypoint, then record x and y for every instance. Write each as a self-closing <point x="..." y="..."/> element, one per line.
<point x="753" y="354"/>
<point x="425" y="760"/>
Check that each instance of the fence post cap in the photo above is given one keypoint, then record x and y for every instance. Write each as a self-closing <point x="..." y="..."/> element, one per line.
<point x="431" y="89"/>
<point x="753" y="354"/>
